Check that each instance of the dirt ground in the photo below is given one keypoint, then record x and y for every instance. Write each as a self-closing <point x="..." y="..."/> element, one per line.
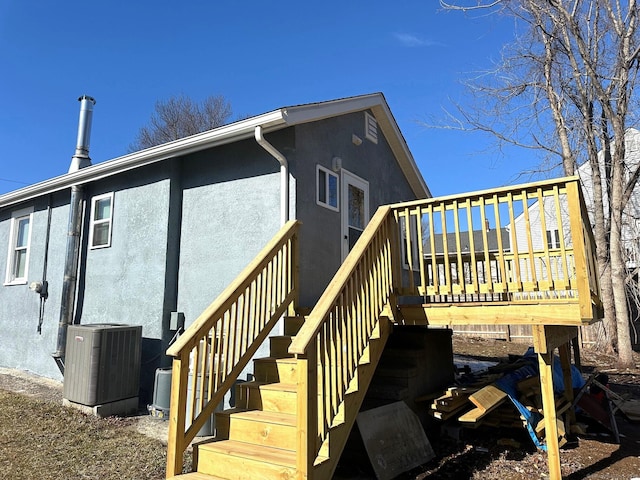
<point x="479" y="453"/>
<point x="483" y="453"/>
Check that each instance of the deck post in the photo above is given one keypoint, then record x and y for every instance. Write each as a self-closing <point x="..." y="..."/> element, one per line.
<point x="307" y="412"/>
<point x="545" y="364"/>
<point x="576" y="351"/>
<point x="177" y="416"/>
<point x="565" y="360"/>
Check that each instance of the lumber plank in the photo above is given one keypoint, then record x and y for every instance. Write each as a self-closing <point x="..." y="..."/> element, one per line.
<point x="488" y="398"/>
<point x="472" y="416"/>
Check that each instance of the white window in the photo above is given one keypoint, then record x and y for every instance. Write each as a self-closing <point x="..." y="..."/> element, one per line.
<point x="553" y="239"/>
<point x="101" y="221"/>
<point x="19" y="247"/>
<point x="370" y="127"/>
<point x="327" y="188"/>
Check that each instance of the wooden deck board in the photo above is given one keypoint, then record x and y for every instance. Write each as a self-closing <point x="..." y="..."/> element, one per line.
<point x="492" y="313"/>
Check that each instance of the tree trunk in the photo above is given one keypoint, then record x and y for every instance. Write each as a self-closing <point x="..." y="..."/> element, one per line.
<point x="618" y="267"/>
<point x="608" y="343"/>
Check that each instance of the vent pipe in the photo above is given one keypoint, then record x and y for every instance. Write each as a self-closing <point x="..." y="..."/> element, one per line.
<point x="79" y="160"/>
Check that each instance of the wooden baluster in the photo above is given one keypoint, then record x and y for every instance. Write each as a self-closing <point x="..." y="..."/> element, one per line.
<point x="542" y="212"/>
<point x="501" y="260"/>
<point x="472" y="249"/>
<point x="567" y="274"/>
<point x="532" y="284"/>
<point x="516" y="281"/>
<point x="460" y="265"/>
<point x="448" y="290"/>
<point x="435" y="273"/>
<point x="487" y="284"/>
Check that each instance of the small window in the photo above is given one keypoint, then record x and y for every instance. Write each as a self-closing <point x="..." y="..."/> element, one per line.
<point x="19" y="247"/>
<point x="327" y="191"/>
<point x="370" y="127"/>
<point x="101" y="220"/>
<point x="553" y="239"/>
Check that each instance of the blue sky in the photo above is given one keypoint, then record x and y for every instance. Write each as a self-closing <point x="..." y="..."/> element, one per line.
<point x="259" y="56"/>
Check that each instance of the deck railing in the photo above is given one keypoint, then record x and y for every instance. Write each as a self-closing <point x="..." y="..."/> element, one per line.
<point x="521" y="243"/>
<point x="338" y="331"/>
<point x="222" y="340"/>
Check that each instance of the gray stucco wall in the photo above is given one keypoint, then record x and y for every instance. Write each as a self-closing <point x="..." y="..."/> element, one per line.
<point x="182" y="231"/>
<point x="21" y="345"/>
<point x="124" y="283"/>
<point x="230" y="210"/>
<point x="318" y="143"/>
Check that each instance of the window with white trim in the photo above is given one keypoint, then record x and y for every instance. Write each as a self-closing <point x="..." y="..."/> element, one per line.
<point x="19" y="247"/>
<point x="553" y="239"/>
<point x="327" y="188"/>
<point x="100" y="225"/>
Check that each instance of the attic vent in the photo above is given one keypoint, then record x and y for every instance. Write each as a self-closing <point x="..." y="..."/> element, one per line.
<point x="370" y="127"/>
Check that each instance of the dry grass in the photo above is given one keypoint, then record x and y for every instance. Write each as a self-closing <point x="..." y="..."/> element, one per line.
<point x="44" y="440"/>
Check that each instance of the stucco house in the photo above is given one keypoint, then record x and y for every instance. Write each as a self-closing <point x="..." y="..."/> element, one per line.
<point x="166" y="229"/>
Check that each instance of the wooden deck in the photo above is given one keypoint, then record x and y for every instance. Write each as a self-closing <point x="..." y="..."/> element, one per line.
<point x="494" y="313"/>
<point x="521" y="255"/>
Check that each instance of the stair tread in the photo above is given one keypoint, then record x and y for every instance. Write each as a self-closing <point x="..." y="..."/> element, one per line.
<point x="267" y="416"/>
<point x="277" y="386"/>
<point x="232" y="410"/>
<point x="276" y="359"/>
<point x="277" y="456"/>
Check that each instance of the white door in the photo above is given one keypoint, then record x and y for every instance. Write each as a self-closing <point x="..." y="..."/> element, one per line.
<point x="355" y="209"/>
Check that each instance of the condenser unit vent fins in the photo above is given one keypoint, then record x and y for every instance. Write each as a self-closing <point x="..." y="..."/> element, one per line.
<point x="102" y="363"/>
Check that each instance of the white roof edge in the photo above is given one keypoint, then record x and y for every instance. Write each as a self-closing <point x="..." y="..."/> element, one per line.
<point x="183" y="146"/>
<point x="312" y="112"/>
<point x="236" y="131"/>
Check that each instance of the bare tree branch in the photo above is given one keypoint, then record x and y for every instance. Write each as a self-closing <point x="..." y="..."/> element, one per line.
<point x="566" y="86"/>
<point x="180" y="117"/>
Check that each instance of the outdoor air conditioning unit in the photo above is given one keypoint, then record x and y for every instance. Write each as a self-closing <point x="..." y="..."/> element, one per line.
<point x="102" y="363"/>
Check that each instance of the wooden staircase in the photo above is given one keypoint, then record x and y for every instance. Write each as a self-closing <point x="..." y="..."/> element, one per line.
<point x="257" y="438"/>
<point x="293" y="420"/>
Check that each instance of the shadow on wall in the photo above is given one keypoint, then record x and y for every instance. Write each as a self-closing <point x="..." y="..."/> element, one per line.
<point x="152" y="355"/>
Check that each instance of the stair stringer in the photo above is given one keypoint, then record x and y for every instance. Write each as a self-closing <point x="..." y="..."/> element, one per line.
<point x="331" y="449"/>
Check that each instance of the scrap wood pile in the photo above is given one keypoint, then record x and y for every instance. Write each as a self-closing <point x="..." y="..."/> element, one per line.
<point x="508" y="395"/>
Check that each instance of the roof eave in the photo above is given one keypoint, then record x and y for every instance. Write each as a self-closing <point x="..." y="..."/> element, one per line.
<point x="238" y="131"/>
<point x="201" y="141"/>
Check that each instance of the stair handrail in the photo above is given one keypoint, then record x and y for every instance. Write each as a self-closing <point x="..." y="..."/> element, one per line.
<point x="347" y="313"/>
<point x="217" y="346"/>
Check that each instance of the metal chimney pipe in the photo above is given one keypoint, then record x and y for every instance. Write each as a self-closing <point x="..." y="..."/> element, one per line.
<point x="74" y="231"/>
<point x="81" y="157"/>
